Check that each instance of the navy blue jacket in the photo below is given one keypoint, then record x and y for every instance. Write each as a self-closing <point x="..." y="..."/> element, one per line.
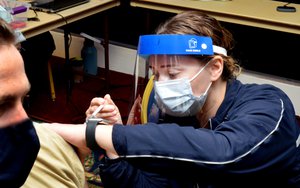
<point x="253" y="142"/>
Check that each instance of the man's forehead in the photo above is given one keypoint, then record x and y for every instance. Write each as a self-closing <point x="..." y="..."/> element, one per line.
<point x="12" y="74"/>
<point x="10" y="60"/>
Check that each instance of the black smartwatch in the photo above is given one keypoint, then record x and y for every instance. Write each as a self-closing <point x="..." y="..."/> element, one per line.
<point x="90" y="136"/>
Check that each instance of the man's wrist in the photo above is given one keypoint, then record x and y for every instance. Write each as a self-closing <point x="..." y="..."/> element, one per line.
<point x="90" y="135"/>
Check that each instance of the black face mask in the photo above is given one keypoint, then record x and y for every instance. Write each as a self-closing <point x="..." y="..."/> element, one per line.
<point x="19" y="146"/>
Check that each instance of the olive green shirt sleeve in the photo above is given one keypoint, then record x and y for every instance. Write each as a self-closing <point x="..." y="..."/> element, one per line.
<point x="57" y="164"/>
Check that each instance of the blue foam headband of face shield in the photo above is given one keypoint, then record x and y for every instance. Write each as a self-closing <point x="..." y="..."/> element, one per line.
<point x="174" y="44"/>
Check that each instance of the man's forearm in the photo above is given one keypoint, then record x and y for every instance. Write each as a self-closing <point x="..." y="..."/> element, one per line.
<point x="75" y="135"/>
<point x="104" y="140"/>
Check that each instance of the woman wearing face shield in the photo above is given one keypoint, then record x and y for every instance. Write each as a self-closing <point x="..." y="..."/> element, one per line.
<point x="212" y="130"/>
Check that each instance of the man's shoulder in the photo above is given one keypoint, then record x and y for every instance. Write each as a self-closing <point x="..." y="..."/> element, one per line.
<point x="57" y="164"/>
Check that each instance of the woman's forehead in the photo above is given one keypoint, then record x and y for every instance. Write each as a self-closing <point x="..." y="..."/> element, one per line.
<point x="172" y="60"/>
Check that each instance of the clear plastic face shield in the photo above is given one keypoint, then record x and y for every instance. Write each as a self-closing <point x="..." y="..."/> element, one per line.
<point x="165" y="66"/>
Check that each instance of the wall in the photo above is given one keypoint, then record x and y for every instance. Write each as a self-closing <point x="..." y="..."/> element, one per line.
<point x="291" y="88"/>
<point x="122" y="59"/>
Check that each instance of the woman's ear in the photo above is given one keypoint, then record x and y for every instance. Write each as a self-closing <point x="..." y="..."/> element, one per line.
<point x="216" y="67"/>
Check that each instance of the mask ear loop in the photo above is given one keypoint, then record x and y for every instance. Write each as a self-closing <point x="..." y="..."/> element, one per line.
<point x="216" y="49"/>
<point x="198" y="74"/>
<point x="205" y="92"/>
<point x="199" y="71"/>
<point x="207" y="88"/>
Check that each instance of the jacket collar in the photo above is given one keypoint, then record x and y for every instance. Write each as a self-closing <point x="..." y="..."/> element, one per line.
<point x="232" y="88"/>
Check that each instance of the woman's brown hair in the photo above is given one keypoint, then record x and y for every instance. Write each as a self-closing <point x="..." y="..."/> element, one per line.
<point x="198" y="23"/>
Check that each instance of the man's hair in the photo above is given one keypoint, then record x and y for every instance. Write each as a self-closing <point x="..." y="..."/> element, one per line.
<point x="7" y="35"/>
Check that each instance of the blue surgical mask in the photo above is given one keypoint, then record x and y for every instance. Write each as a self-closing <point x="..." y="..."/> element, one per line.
<point x="175" y="97"/>
<point x="19" y="146"/>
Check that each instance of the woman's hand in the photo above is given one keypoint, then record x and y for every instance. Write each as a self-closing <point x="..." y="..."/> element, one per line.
<point x="134" y="116"/>
<point x="110" y="112"/>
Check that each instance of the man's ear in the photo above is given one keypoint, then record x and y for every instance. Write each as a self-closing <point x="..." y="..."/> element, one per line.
<point x="216" y="67"/>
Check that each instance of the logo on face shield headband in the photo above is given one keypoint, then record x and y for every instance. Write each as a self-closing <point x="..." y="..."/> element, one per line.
<point x="193" y="43"/>
<point x="193" y="46"/>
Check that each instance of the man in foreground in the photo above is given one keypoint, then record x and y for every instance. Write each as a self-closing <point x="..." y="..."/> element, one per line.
<point x="28" y="150"/>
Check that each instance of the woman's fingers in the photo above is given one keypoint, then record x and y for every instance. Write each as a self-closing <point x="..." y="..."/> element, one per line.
<point x="95" y="102"/>
<point x="109" y="112"/>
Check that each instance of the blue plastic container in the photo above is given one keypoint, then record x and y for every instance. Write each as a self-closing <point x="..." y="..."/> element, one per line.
<point x="89" y="56"/>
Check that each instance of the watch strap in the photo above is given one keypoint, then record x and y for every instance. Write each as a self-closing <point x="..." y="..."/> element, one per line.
<point x="90" y="135"/>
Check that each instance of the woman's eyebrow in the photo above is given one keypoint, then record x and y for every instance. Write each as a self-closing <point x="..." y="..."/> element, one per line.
<point x="168" y="65"/>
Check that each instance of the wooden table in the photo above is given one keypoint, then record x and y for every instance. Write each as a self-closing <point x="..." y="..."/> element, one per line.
<point x="256" y="13"/>
<point x="52" y="21"/>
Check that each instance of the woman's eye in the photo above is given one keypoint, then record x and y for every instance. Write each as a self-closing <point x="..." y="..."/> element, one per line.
<point x="173" y="75"/>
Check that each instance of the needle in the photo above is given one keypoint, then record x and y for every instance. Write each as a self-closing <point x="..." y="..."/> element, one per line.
<point x="97" y="110"/>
